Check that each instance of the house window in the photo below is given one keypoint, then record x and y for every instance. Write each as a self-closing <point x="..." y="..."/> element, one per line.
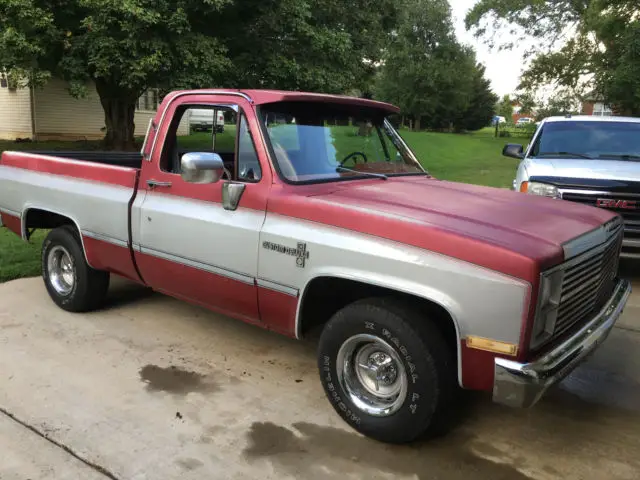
<point x="602" y="110"/>
<point x="148" y="101"/>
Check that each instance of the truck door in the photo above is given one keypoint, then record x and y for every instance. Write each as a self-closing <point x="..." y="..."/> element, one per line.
<point x="187" y="242"/>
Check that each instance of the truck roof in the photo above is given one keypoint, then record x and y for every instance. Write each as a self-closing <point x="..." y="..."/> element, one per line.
<point x="591" y="118"/>
<point x="260" y="97"/>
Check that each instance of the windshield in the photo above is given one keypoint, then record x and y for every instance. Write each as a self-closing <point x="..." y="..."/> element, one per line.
<point x="589" y="139"/>
<point x="322" y="142"/>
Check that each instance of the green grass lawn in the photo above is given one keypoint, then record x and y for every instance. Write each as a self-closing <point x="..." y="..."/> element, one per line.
<point x="17" y="258"/>
<point x="471" y="158"/>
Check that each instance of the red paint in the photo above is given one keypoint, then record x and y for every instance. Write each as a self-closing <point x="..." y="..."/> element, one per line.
<point x="96" y="172"/>
<point x="107" y="256"/>
<point x="278" y="311"/>
<point x="477" y="367"/>
<point x="219" y="293"/>
<point x="12" y="222"/>
<point x="255" y="194"/>
<point x="259" y="97"/>
<point x="499" y="229"/>
<point x="613" y="203"/>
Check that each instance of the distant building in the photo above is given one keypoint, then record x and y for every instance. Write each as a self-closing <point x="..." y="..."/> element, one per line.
<point x="595" y="104"/>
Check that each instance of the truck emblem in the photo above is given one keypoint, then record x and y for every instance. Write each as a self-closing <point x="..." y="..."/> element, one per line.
<point x="300" y="252"/>
<point x="613" y="203"/>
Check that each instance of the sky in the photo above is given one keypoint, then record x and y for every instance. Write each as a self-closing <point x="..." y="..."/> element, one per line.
<point x="502" y="68"/>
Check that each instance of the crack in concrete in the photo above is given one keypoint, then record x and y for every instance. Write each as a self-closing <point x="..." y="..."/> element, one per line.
<point x="94" y="466"/>
<point x="627" y="329"/>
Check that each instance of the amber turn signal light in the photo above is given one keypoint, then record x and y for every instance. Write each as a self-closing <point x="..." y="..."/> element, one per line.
<point x="492" y="345"/>
<point x="524" y="187"/>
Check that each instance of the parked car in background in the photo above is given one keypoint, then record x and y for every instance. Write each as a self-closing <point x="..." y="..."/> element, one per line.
<point x="524" y="121"/>
<point x="417" y="285"/>
<point x="202" y="120"/>
<point x="589" y="160"/>
<point x="498" y="119"/>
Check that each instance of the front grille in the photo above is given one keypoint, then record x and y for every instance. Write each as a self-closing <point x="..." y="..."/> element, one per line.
<point x="588" y="281"/>
<point x="631" y="217"/>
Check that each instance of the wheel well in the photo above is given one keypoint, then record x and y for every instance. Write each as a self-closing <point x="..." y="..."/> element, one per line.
<point x="37" y="218"/>
<point x="324" y="296"/>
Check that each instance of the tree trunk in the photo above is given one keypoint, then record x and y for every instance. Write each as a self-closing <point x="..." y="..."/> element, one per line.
<point x="416" y="125"/>
<point x="119" y="107"/>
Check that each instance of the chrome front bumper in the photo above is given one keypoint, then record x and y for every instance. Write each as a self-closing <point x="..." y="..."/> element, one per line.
<point x="522" y="384"/>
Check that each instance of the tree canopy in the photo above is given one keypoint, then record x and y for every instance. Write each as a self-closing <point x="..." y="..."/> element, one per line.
<point x="586" y="46"/>
<point x="127" y="46"/>
<point x="504" y="108"/>
<point x="124" y="47"/>
<point x="433" y="78"/>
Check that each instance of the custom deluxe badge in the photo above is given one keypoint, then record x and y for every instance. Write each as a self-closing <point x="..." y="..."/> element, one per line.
<point x="300" y="252"/>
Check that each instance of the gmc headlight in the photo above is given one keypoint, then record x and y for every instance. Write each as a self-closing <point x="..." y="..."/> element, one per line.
<point x="543" y="189"/>
<point x="546" y="314"/>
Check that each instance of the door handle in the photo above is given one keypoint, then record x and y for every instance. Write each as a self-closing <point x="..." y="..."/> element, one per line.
<point x="156" y="183"/>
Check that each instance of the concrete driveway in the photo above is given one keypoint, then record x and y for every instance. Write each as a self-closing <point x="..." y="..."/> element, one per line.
<point x="153" y="388"/>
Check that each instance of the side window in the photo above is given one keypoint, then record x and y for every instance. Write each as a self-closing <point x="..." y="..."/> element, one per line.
<point x="200" y="128"/>
<point x="248" y="163"/>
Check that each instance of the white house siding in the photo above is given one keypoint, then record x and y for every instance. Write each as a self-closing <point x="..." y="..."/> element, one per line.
<point x="15" y="114"/>
<point x="59" y="116"/>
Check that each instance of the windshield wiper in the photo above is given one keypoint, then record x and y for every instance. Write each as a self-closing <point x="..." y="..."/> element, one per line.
<point x="376" y="175"/>
<point x="573" y="154"/>
<point x="624" y="156"/>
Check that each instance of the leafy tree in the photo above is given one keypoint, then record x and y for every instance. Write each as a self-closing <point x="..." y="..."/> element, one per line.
<point x="127" y="46"/>
<point x="586" y="44"/>
<point x="527" y="103"/>
<point x="124" y="47"/>
<point x="481" y="106"/>
<point x="504" y="108"/>
<point x="418" y="64"/>
<point x="323" y="45"/>
<point x="561" y="103"/>
<point x="428" y="73"/>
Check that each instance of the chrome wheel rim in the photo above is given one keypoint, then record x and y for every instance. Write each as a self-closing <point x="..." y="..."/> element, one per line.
<point x="372" y="374"/>
<point x="62" y="276"/>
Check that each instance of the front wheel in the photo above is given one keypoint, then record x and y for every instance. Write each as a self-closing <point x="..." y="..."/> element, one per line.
<point x="387" y="371"/>
<point x="72" y="284"/>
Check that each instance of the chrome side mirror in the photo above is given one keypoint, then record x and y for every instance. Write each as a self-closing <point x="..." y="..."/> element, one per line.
<point x="201" y="167"/>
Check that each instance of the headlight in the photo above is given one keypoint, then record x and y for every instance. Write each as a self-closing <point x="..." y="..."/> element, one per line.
<point x="537" y="188"/>
<point x="547" y="310"/>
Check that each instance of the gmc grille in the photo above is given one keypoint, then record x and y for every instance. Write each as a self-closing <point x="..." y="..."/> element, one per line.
<point x="631" y="217"/>
<point x="588" y="282"/>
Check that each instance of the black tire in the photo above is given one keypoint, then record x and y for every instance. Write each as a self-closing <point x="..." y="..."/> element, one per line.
<point x="429" y="364"/>
<point x="89" y="286"/>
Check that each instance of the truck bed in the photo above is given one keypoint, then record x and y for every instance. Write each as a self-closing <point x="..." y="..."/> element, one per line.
<point x="93" y="191"/>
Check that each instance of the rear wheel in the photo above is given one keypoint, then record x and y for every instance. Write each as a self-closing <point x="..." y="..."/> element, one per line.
<point x="387" y="371"/>
<point x="72" y="284"/>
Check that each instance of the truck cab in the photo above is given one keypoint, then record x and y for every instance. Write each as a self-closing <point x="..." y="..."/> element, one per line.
<point x="589" y="160"/>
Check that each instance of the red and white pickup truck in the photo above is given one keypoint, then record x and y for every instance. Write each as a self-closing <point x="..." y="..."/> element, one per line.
<point x="312" y="212"/>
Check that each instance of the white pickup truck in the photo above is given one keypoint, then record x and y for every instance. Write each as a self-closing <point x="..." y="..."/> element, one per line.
<point x="586" y="159"/>
<point x="419" y="286"/>
<point x="204" y="120"/>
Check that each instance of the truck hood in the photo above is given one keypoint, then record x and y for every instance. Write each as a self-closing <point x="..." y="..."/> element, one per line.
<point x="451" y="217"/>
<point x="584" y="168"/>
